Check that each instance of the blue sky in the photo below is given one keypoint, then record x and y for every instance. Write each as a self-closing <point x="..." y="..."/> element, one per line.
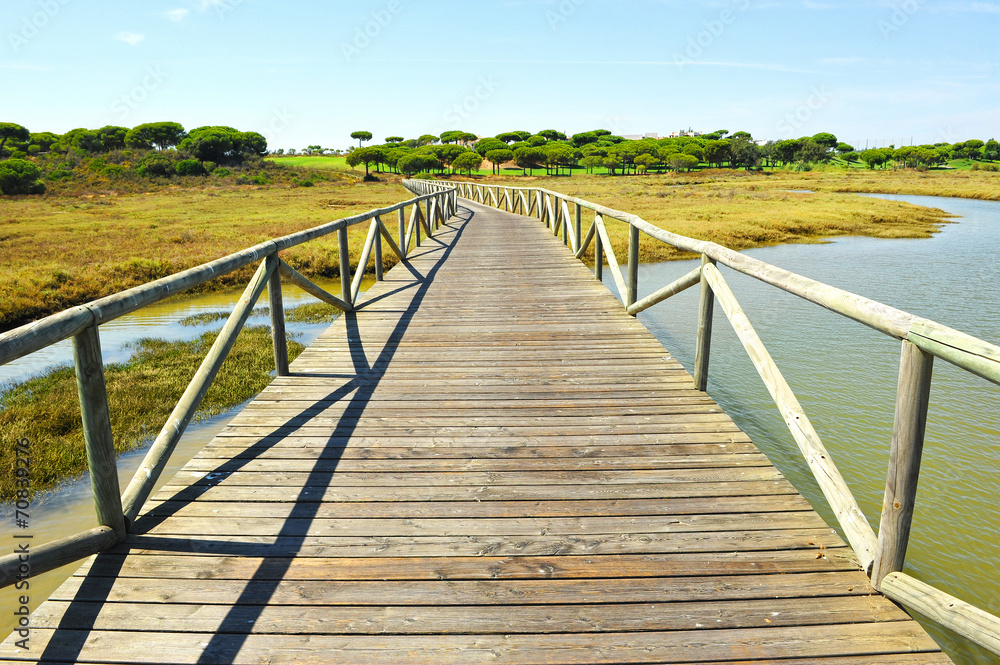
<point x="312" y="72"/>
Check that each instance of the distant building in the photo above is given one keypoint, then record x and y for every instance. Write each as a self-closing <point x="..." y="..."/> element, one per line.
<point x="637" y="137"/>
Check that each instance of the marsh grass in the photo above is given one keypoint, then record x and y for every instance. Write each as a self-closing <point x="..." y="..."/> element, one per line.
<point x="63" y="251"/>
<point x="309" y="313"/>
<point x="141" y="393"/>
<point x="742" y="211"/>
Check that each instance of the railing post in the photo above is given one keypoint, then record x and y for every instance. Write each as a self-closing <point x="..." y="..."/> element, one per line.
<point x="345" y="266"/>
<point x="97" y="430"/>
<point x="277" y="317"/>
<point x="598" y="258"/>
<point x="378" y="250"/>
<point x="565" y="222"/>
<point x="704" y="342"/>
<point x="402" y="231"/>
<point x="578" y="226"/>
<point x="912" y="397"/>
<point x="416" y="223"/>
<point x="633" y="265"/>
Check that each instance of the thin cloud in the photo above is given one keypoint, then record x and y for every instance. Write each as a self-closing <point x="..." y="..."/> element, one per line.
<point x="130" y="38"/>
<point x="178" y="14"/>
<point x="616" y="63"/>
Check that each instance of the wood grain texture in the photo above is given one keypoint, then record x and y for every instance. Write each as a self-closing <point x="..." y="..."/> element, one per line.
<point x="487" y="461"/>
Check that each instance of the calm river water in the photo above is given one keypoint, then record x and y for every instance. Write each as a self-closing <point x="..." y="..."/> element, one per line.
<point x="843" y="373"/>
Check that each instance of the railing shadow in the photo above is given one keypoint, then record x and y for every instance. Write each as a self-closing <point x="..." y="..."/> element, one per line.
<point x="80" y="617"/>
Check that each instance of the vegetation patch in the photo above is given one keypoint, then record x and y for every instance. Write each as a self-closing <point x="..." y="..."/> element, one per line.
<point x="64" y="251"/>
<point x="743" y="211"/>
<point x="141" y="394"/>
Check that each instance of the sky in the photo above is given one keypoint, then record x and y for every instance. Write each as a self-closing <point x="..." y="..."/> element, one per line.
<point x="310" y="73"/>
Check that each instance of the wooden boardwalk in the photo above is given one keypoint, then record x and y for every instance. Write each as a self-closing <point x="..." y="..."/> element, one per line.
<point x="489" y="462"/>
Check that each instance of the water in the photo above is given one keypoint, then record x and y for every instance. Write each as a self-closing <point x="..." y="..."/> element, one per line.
<point x="844" y="374"/>
<point x="70" y="508"/>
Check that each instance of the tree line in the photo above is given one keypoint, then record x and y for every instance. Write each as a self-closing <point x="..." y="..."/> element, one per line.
<point x="555" y="152"/>
<point x="156" y="149"/>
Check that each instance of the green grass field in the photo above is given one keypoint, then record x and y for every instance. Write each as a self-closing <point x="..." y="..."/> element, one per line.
<point x="310" y="162"/>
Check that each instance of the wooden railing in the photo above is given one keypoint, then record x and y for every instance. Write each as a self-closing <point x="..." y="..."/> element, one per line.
<point x="922" y="340"/>
<point x="116" y="512"/>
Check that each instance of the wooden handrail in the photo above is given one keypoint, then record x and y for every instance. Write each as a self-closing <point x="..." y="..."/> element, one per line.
<point x="882" y="556"/>
<point x="116" y="513"/>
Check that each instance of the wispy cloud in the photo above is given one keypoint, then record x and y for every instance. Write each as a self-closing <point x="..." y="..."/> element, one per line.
<point x="592" y="63"/>
<point x="177" y="14"/>
<point x="130" y="38"/>
<point x="971" y="7"/>
<point x="845" y="60"/>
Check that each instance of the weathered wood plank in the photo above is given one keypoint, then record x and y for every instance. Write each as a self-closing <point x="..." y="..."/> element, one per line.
<point x="571" y="649"/>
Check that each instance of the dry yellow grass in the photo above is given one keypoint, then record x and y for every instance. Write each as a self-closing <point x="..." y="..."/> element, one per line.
<point x="61" y="251"/>
<point x="741" y="210"/>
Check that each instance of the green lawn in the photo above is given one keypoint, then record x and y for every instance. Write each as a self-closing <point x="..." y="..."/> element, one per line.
<point x="317" y="162"/>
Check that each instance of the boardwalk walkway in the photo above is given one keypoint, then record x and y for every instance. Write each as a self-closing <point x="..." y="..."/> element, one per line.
<point x="489" y="462"/>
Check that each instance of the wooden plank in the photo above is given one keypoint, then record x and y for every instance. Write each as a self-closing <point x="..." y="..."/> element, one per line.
<point x="571" y="649"/>
<point x="485" y="620"/>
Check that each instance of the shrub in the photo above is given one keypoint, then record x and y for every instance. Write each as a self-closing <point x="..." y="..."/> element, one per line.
<point x="59" y="174"/>
<point x="18" y="154"/>
<point x="190" y="167"/>
<point x="210" y="166"/>
<point x="155" y="165"/>
<point x="222" y="172"/>
<point x="113" y="170"/>
<point x="18" y="176"/>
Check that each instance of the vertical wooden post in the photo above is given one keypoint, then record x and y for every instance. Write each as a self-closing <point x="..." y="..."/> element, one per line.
<point x="403" y="240"/>
<point x="277" y="317"/>
<point x="378" y="250"/>
<point x="345" y="266"/>
<point x="578" y="227"/>
<point x="598" y="258"/>
<point x="565" y="222"/>
<point x="97" y="429"/>
<point x="704" y="343"/>
<point x="912" y="397"/>
<point x="420" y="216"/>
<point x="633" y="265"/>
